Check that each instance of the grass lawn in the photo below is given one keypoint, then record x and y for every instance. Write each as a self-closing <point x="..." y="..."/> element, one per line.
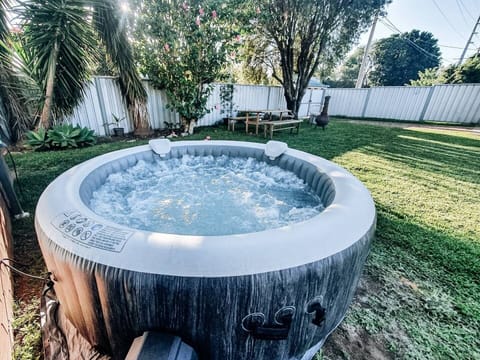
<point x="420" y="293"/>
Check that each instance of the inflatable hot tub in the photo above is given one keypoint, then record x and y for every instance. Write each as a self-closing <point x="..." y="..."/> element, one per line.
<point x="273" y="294"/>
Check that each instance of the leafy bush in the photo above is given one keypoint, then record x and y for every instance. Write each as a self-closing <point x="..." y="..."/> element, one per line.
<point x="61" y="137"/>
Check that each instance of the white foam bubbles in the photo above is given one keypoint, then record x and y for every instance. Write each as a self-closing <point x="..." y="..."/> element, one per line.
<point x="205" y="196"/>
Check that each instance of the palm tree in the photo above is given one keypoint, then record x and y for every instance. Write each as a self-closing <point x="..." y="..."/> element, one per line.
<point x="61" y="37"/>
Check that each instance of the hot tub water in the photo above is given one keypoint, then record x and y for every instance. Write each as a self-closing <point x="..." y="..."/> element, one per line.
<point x="205" y="195"/>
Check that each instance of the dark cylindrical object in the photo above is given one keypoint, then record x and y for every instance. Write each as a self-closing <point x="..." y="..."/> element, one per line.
<point x="160" y="346"/>
<point x="323" y="119"/>
<point x="118" y="132"/>
<point x="7" y="185"/>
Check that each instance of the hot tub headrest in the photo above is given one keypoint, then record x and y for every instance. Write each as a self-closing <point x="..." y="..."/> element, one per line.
<point x="274" y="149"/>
<point x="160" y="146"/>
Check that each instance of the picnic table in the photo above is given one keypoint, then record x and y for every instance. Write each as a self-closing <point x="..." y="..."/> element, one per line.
<point x="232" y="120"/>
<point x="258" y="117"/>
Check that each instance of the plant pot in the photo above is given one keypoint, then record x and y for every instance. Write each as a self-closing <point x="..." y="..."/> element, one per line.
<point x="118" y="132"/>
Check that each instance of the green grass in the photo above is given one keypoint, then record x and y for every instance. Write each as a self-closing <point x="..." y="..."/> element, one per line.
<point x="27" y="329"/>
<point x="420" y="293"/>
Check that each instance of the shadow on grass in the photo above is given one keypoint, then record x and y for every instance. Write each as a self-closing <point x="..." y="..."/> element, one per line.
<point x="419" y="296"/>
<point x="337" y="139"/>
<point x="449" y="261"/>
<point x="455" y="156"/>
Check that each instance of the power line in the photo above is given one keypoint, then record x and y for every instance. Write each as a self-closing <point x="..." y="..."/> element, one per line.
<point x="461" y="11"/>
<point x="385" y="21"/>
<point x="446" y="18"/>
<point x="451" y="47"/>
<point x="466" y="9"/>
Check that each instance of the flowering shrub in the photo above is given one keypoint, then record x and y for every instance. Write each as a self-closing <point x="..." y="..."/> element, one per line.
<point x="183" y="47"/>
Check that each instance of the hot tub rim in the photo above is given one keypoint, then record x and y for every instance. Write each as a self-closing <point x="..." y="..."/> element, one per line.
<point x="170" y="254"/>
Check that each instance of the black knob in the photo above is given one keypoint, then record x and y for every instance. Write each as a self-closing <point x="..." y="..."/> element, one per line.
<point x="315" y="307"/>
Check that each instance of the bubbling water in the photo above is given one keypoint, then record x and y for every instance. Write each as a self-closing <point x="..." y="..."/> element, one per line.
<point x="205" y="195"/>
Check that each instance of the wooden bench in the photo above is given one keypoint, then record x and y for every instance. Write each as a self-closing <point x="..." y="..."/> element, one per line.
<point x="233" y="120"/>
<point x="277" y="125"/>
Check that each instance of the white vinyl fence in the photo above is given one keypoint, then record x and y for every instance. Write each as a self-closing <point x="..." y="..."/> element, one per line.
<point x="444" y="103"/>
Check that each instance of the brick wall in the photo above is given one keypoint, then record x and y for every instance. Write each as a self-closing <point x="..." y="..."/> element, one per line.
<point x="6" y="288"/>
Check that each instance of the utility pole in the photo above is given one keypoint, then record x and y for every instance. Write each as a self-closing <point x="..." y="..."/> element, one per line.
<point x="469" y="41"/>
<point x="363" y="67"/>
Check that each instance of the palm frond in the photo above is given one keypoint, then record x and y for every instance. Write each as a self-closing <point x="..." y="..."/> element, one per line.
<point x="59" y="38"/>
<point x="14" y="115"/>
<point x="113" y="33"/>
<point x="4" y="29"/>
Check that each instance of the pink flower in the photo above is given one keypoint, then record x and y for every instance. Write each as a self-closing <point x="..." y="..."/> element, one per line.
<point x="201" y="11"/>
<point x="16" y="30"/>
<point x="233" y="54"/>
<point x="214" y="14"/>
<point x="258" y="10"/>
<point x="238" y="38"/>
<point x="166" y="47"/>
<point x="185" y="6"/>
<point x="197" y="21"/>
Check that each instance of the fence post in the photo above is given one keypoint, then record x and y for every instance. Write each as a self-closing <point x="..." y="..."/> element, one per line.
<point x="309" y="102"/>
<point x="322" y="101"/>
<point x="367" y="99"/>
<point x="427" y="103"/>
<point x="268" y="97"/>
<point x="103" y="112"/>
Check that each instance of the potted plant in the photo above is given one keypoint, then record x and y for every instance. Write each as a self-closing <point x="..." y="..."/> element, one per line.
<point x="117" y="130"/>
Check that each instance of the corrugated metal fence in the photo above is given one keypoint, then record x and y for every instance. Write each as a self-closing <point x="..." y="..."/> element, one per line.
<point x="444" y="103"/>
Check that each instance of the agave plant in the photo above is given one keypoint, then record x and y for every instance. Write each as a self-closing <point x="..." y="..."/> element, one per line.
<point x="86" y="137"/>
<point x="66" y="135"/>
<point x="38" y="140"/>
<point x="61" y="137"/>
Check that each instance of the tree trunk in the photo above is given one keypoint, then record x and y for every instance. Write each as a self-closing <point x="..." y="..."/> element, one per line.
<point x="190" y="125"/>
<point x="291" y="103"/>
<point x="139" y="114"/>
<point x="294" y="101"/>
<point x="47" y="105"/>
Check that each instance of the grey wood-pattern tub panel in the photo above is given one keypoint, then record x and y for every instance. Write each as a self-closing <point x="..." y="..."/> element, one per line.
<point x="207" y="312"/>
<point x="85" y="305"/>
<point x="202" y="288"/>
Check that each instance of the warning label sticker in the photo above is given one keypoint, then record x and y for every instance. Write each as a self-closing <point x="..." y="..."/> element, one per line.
<point x="87" y="232"/>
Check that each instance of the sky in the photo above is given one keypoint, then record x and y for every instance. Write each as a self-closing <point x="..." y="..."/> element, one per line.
<point x="450" y="21"/>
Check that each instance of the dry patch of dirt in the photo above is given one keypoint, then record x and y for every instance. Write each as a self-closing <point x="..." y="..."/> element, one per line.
<point x="353" y="343"/>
